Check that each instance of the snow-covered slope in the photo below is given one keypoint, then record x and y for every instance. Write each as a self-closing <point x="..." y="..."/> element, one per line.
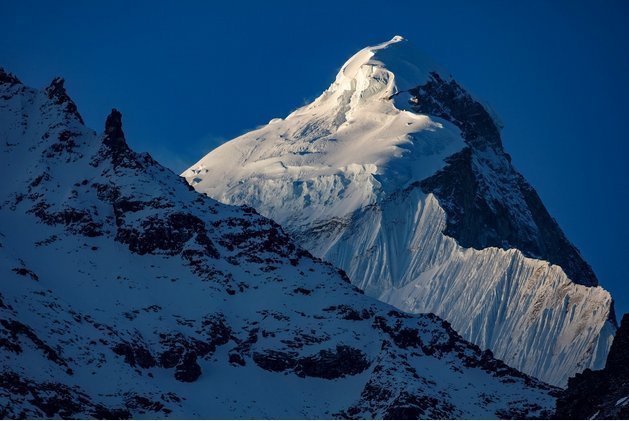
<point x="125" y="293"/>
<point x="398" y="176"/>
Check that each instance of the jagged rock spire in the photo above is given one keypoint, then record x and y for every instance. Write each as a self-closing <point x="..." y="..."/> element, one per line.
<point x="6" y="77"/>
<point x="56" y="92"/>
<point x="114" y="136"/>
<point x="116" y="144"/>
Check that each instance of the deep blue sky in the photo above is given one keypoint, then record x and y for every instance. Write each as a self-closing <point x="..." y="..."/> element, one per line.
<point x="189" y="75"/>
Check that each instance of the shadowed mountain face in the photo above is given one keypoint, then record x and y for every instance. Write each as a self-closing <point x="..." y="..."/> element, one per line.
<point x="466" y="187"/>
<point x="601" y="394"/>
<point x="126" y="293"/>
<point x="398" y="176"/>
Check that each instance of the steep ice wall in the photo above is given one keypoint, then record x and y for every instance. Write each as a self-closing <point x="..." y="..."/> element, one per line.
<point x="525" y="310"/>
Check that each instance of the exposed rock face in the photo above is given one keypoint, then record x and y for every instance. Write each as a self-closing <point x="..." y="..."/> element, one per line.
<point x="398" y="176"/>
<point x="8" y="78"/>
<point x="50" y="400"/>
<point x="135" y="354"/>
<point x="618" y="358"/>
<point x="116" y="148"/>
<point x="476" y="216"/>
<point x="326" y="364"/>
<point x="126" y="294"/>
<point x="57" y="93"/>
<point x="114" y="136"/>
<point x="188" y="370"/>
<point x="601" y="394"/>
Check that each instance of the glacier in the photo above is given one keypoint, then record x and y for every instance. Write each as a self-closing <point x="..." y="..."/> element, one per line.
<point x="398" y="176"/>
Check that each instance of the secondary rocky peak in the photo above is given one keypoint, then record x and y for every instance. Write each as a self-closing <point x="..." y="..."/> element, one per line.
<point x="56" y="92"/>
<point x="116" y="147"/>
<point x="56" y="89"/>
<point x="8" y="78"/>
<point x="114" y="136"/>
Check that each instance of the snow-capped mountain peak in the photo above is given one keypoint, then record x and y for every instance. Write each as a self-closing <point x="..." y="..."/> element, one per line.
<point x="398" y="175"/>
<point x="374" y="75"/>
<point x="395" y="62"/>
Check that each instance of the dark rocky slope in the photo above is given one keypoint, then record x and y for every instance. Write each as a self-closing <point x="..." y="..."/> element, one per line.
<point x="601" y="394"/>
<point x="473" y="185"/>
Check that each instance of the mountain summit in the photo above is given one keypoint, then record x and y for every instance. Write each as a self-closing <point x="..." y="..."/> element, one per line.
<point x="398" y="176"/>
